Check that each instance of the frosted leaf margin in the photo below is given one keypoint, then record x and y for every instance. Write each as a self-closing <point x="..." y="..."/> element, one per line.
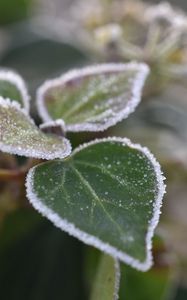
<point x="17" y="80"/>
<point x="92" y="240"/>
<point x="5" y="102"/>
<point x="117" y="279"/>
<point x="137" y="86"/>
<point x="58" y="122"/>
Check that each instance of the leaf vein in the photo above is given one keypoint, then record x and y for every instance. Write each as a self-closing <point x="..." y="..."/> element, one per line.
<point x="104" y="170"/>
<point x="95" y="197"/>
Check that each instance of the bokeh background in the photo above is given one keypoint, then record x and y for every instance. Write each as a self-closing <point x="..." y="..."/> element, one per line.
<point x="38" y="261"/>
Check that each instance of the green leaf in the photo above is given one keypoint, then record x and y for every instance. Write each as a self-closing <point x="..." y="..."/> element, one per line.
<point x="13" y="87"/>
<point x="108" y="194"/>
<point x="19" y="135"/>
<point x="93" y="98"/>
<point x="106" y="285"/>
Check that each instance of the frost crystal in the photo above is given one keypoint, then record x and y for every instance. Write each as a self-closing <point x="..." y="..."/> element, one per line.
<point x="117" y="281"/>
<point x="93" y="240"/>
<point x="15" y="79"/>
<point x="93" y="98"/>
<point x="19" y="135"/>
<point x="56" y="127"/>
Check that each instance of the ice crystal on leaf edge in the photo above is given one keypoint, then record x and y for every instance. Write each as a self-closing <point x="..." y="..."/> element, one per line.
<point x="92" y="240"/>
<point x="137" y="86"/>
<point x="17" y="80"/>
<point x="59" y="152"/>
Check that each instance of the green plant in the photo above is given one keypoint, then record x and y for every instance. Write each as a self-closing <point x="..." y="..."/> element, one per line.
<point x="107" y="192"/>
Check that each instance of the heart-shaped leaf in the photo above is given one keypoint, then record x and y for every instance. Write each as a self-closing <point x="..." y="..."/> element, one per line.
<point x="93" y="98"/>
<point x="108" y="194"/>
<point x="19" y="135"/>
<point x="13" y="87"/>
<point x="106" y="284"/>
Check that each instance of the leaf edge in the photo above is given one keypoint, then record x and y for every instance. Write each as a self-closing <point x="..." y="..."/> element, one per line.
<point x="15" y="78"/>
<point x="13" y="150"/>
<point x="88" y="239"/>
<point x="143" y="71"/>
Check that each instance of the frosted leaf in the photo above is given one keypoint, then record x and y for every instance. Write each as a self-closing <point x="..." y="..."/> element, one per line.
<point x="93" y="98"/>
<point x="56" y="127"/>
<point x="115" y="209"/>
<point x="19" y="135"/>
<point x="13" y="87"/>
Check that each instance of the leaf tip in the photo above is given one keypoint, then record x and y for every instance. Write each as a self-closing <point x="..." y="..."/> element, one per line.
<point x="17" y="80"/>
<point x="111" y="113"/>
<point x="93" y="240"/>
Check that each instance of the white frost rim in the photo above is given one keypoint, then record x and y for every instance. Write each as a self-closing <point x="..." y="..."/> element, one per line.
<point x="58" y="122"/>
<point x="7" y="103"/>
<point x="92" y="240"/>
<point x="137" y="86"/>
<point x="18" y="81"/>
<point x="117" y="279"/>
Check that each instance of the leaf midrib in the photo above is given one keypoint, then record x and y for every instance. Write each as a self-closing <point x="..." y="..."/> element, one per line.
<point x="90" y="98"/>
<point x="95" y="197"/>
<point x="103" y="170"/>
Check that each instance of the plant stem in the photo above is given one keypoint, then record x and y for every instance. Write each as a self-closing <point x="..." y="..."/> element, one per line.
<point x="18" y="173"/>
<point x="6" y="175"/>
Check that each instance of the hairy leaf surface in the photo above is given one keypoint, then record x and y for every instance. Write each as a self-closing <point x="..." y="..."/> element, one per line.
<point x="93" y="98"/>
<point x="108" y="194"/>
<point x="19" y="135"/>
<point x="13" y="87"/>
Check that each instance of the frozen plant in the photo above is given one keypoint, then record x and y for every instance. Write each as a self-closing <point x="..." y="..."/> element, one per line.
<point x="107" y="192"/>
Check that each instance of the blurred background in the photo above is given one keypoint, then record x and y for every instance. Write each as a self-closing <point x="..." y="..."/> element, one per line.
<point x="39" y="262"/>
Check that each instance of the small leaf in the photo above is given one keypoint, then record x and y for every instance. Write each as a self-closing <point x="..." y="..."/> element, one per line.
<point x="106" y="285"/>
<point x="108" y="194"/>
<point x="19" y="135"/>
<point x="93" y="98"/>
<point x="13" y="87"/>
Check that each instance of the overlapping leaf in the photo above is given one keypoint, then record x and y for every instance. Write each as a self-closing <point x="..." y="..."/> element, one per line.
<point x="13" y="87"/>
<point x="93" y="98"/>
<point x="19" y="135"/>
<point x="108" y="194"/>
